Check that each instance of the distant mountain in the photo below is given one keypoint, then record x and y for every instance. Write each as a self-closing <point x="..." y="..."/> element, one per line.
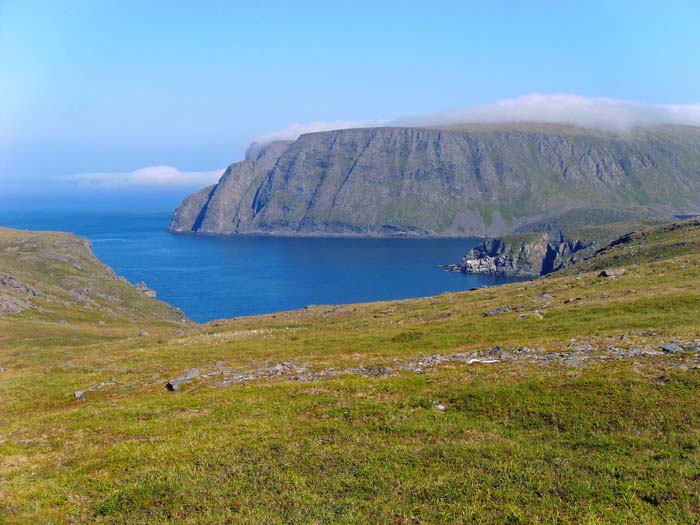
<point x="457" y="181"/>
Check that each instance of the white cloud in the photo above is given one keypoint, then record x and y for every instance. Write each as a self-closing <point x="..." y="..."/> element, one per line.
<point x="557" y="108"/>
<point x="604" y="113"/>
<point x="293" y="131"/>
<point x="149" y="176"/>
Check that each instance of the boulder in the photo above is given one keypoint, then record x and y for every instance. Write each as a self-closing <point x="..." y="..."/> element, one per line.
<point x="671" y="348"/>
<point x="537" y="314"/>
<point x="174" y="384"/>
<point x="497" y="310"/>
<point x="145" y="290"/>
<point x="612" y="273"/>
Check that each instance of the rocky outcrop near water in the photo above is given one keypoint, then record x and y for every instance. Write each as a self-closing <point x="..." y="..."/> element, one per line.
<point x="535" y="254"/>
<point x="526" y="255"/>
<point x="465" y="181"/>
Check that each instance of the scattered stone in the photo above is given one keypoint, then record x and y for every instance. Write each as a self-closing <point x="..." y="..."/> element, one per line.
<point x="101" y="322"/>
<point x="79" y="394"/>
<point x="544" y="297"/>
<point x="536" y="314"/>
<point x="11" y="305"/>
<point x="439" y="406"/>
<point x="495" y="350"/>
<point x="2" y="368"/>
<point x="612" y="273"/>
<point x="174" y="384"/>
<point x="573" y="300"/>
<point x="9" y="281"/>
<point x="497" y="310"/>
<point x="692" y="347"/>
<point x="671" y="348"/>
<point x="145" y="290"/>
<point x="143" y="334"/>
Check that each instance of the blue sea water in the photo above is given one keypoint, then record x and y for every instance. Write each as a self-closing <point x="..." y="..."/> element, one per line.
<point x="216" y="277"/>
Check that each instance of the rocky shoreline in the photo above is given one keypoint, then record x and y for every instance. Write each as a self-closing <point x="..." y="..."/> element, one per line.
<point x="521" y="255"/>
<point x="535" y="254"/>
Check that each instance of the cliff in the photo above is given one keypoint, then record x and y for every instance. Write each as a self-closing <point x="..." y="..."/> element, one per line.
<point x="540" y="253"/>
<point x="473" y="180"/>
<point x="528" y="255"/>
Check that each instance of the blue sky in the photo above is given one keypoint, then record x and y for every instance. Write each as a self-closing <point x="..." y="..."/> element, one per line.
<point x="113" y="87"/>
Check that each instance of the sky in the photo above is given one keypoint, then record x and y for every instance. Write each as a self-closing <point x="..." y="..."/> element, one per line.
<point x="107" y="103"/>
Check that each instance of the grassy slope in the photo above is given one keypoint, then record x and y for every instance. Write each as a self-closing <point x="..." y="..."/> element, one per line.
<point x="520" y="442"/>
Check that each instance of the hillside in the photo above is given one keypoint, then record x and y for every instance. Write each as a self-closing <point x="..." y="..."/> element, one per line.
<point x="55" y="277"/>
<point x="572" y="398"/>
<point x="458" y="181"/>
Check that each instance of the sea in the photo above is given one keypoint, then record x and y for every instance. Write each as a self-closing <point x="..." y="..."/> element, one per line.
<point x="213" y="277"/>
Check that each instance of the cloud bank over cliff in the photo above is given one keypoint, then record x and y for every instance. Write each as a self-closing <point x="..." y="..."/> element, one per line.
<point x="293" y="131"/>
<point x="603" y="113"/>
<point x="557" y="108"/>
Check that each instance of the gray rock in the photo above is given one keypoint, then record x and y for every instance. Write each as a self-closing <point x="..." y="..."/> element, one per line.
<point x="174" y="384"/>
<point x="691" y="346"/>
<point x="145" y="290"/>
<point x="612" y="273"/>
<point x="143" y="334"/>
<point x="12" y="305"/>
<point x="79" y="394"/>
<point x="536" y="314"/>
<point x="8" y="281"/>
<point x="671" y="348"/>
<point x="544" y="297"/>
<point x="497" y="310"/>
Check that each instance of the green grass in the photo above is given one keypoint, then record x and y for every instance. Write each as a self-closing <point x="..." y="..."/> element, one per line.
<point x="520" y="442"/>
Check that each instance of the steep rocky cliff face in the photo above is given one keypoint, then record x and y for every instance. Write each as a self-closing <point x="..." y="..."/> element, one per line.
<point x="477" y="180"/>
<point x="225" y="208"/>
<point x="522" y="255"/>
<point x="535" y="254"/>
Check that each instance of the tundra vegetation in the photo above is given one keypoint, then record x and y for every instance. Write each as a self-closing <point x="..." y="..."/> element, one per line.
<point x="578" y="403"/>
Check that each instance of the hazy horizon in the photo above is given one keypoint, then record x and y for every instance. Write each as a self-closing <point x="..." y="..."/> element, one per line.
<point x="139" y="104"/>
